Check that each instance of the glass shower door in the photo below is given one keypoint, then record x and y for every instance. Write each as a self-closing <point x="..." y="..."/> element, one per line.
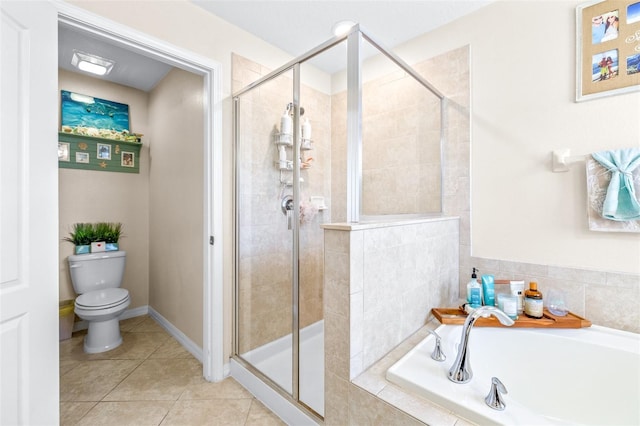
<point x="263" y="223"/>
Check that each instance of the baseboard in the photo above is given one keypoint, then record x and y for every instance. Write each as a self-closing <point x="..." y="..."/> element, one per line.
<point x="182" y="338"/>
<point x="129" y="313"/>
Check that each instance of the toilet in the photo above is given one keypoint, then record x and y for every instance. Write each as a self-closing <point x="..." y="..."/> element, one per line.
<point x="96" y="279"/>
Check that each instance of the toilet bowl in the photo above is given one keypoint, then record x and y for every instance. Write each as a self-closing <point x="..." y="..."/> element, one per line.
<point x="102" y="309"/>
<point x="97" y="279"/>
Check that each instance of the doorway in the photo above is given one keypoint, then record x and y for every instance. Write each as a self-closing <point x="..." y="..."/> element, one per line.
<point x="211" y="240"/>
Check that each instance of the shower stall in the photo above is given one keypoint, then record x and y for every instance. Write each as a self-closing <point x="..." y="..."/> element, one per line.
<point x="360" y="140"/>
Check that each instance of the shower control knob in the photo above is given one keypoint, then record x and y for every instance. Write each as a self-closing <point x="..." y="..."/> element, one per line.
<point x="287" y="209"/>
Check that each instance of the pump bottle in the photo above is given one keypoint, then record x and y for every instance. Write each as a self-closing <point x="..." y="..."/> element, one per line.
<point x="474" y="291"/>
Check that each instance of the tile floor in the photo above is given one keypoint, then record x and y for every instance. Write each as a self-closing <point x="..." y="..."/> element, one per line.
<point x="149" y="380"/>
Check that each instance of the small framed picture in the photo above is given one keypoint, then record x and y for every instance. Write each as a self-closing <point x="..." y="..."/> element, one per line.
<point x="82" y="157"/>
<point x="127" y="159"/>
<point x="63" y="151"/>
<point x="104" y="151"/>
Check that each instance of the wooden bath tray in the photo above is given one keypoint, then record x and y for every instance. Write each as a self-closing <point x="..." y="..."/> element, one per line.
<point x="458" y="316"/>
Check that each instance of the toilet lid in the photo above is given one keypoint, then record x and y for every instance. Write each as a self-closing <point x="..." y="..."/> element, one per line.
<point x="102" y="299"/>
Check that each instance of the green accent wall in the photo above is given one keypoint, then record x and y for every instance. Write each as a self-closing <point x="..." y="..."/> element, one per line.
<point x="105" y="155"/>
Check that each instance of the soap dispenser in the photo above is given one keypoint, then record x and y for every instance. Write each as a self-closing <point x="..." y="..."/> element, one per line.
<point x="474" y="291"/>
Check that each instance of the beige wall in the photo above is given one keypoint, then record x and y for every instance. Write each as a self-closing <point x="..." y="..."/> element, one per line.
<point x="176" y="185"/>
<point x="523" y="91"/>
<point x="93" y="196"/>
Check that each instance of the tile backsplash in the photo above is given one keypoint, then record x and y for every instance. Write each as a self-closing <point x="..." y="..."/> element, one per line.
<point x="609" y="299"/>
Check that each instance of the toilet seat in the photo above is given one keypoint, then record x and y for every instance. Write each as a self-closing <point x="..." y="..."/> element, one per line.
<point x="102" y="299"/>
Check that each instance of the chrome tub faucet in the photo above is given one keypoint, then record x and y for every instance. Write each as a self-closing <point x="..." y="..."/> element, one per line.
<point x="460" y="371"/>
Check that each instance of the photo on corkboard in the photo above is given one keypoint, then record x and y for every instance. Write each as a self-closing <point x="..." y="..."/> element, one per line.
<point x="608" y="48"/>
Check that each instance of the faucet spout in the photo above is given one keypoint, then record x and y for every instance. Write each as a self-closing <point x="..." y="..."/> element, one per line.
<point x="460" y="371"/>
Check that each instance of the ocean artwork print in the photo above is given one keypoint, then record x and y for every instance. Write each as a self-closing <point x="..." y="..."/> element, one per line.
<point x="90" y="116"/>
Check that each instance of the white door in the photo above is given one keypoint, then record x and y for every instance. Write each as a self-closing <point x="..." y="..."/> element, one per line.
<point x="29" y="388"/>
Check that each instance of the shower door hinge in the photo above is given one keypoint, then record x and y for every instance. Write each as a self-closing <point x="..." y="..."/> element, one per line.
<point x="211" y="239"/>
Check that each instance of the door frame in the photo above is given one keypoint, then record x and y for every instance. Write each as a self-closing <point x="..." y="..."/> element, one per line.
<point x="210" y="70"/>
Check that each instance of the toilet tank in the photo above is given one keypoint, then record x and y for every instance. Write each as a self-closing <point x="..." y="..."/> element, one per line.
<point x="96" y="271"/>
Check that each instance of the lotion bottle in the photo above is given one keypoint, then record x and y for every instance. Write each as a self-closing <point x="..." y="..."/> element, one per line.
<point x="533" y="301"/>
<point x="517" y="289"/>
<point x="474" y="291"/>
<point x="489" y="290"/>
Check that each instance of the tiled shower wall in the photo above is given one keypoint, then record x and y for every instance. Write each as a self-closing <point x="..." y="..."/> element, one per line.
<point x="383" y="281"/>
<point x="265" y="243"/>
<point x="400" y="148"/>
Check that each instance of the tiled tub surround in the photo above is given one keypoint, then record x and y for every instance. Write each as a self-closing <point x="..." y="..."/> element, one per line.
<point x="606" y="298"/>
<point x="609" y="299"/>
<point x="382" y="280"/>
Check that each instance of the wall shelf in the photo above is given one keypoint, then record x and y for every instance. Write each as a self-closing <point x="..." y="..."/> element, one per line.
<point x="99" y="154"/>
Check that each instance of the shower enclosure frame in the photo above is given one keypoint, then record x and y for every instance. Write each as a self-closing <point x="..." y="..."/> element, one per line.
<point x="354" y="178"/>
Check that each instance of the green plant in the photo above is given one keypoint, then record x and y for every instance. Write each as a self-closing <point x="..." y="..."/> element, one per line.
<point x="83" y="234"/>
<point x="102" y="230"/>
<point x="109" y="232"/>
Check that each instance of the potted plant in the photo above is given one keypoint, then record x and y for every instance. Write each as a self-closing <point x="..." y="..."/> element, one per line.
<point x="101" y="230"/>
<point x="111" y="234"/>
<point x="82" y="236"/>
<point x="106" y="236"/>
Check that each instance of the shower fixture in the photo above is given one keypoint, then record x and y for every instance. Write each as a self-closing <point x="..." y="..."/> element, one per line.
<point x="289" y="109"/>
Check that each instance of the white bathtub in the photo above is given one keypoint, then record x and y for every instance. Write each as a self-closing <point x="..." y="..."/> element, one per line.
<point x="588" y="376"/>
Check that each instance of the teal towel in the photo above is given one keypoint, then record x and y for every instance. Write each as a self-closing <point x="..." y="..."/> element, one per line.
<point x="620" y="203"/>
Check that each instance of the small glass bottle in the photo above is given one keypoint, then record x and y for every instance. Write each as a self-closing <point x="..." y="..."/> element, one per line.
<point x="533" y="301"/>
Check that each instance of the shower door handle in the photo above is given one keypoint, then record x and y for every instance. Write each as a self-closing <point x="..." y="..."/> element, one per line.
<point x="287" y="209"/>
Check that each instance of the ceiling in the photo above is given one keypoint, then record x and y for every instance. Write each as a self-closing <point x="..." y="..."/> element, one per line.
<point x="295" y="26"/>
<point x="130" y="69"/>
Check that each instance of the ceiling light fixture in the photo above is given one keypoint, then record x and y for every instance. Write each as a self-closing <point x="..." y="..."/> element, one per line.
<point x="91" y="63"/>
<point x="342" y="27"/>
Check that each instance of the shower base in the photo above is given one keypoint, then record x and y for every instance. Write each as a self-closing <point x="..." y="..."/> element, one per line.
<point x="274" y="360"/>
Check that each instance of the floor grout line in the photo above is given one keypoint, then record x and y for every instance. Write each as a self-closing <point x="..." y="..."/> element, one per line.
<point x="183" y="413"/>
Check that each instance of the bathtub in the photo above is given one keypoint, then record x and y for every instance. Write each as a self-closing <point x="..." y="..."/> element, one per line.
<point x="588" y="376"/>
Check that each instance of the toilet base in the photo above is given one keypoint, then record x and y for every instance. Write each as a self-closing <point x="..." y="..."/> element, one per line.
<point x="102" y="336"/>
